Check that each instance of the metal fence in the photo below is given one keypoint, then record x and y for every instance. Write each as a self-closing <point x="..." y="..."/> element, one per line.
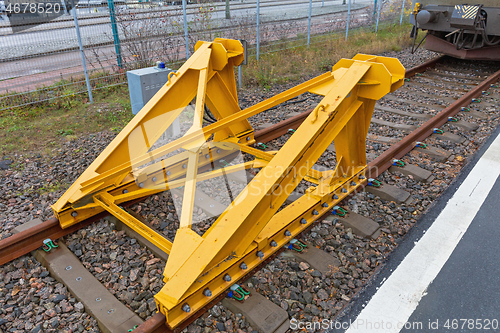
<point x="93" y="45"/>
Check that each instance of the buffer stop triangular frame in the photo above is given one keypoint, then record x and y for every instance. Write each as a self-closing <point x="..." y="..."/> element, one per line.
<point x="252" y="227"/>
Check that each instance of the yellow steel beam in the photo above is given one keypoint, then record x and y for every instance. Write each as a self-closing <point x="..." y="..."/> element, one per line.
<point x="105" y="178"/>
<point x="107" y="202"/>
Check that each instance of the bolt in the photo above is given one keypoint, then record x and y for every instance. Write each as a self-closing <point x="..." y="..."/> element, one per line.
<point x="335" y="197"/>
<point x="343" y="190"/>
<point x="169" y="173"/>
<point x="324" y="204"/>
<point x="227" y="278"/>
<point x="141" y="185"/>
<point x="315" y="212"/>
<point x="353" y="183"/>
<point x="154" y="179"/>
<point x="288" y="233"/>
<point x="125" y="191"/>
<point x="78" y="279"/>
<point x="111" y="311"/>
<point x="361" y="177"/>
<point x="184" y="166"/>
<point x="74" y="214"/>
<point x="260" y="254"/>
<point x="98" y="299"/>
<point x="218" y="151"/>
<point x="207" y="292"/>
<point x="303" y="221"/>
<point x="274" y="244"/>
<point x="243" y="265"/>
<point x="68" y="268"/>
<point x="207" y="156"/>
<point x="186" y="308"/>
<point x="249" y="138"/>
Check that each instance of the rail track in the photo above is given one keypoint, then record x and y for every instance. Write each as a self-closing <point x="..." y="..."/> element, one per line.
<point x="439" y="84"/>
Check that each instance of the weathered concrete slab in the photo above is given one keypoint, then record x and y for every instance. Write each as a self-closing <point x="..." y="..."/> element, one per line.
<point x="437" y="154"/>
<point x="415" y="171"/>
<point x="421" y="116"/>
<point x="316" y="258"/>
<point x="262" y="314"/>
<point x="402" y="127"/>
<point x="111" y="315"/>
<point x="447" y="136"/>
<point x="464" y="125"/>
<point x="390" y="193"/>
<point x="359" y="224"/>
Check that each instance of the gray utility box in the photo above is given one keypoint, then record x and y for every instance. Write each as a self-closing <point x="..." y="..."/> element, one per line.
<point x="143" y="84"/>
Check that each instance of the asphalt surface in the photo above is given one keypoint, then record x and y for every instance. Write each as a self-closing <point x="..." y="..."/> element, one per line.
<point x="464" y="296"/>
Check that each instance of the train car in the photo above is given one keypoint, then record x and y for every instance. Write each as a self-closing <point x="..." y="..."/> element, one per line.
<point x="461" y="30"/>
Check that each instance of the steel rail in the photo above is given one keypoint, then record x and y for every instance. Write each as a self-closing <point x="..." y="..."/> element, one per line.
<point x="31" y="239"/>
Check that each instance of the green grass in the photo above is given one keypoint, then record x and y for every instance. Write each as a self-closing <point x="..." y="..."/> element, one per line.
<point x="35" y="128"/>
<point x="45" y="126"/>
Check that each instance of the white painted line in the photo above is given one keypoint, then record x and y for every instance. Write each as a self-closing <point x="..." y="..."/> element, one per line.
<point x="395" y="301"/>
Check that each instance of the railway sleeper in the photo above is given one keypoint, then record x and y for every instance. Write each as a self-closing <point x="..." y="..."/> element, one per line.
<point x="120" y="226"/>
<point x="463" y="85"/>
<point x="390" y="193"/>
<point x="211" y="207"/>
<point x="432" y="83"/>
<point x="451" y="137"/>
<point x="319" y="259"/>
<point x="434" y="153"/>
<point x="442" y="98"/>
<point x="260" y="312"/>
<point x="381" y="139"/>
<point x="477" y="114"/>
<point x="465" y="125"/>
<point x="454" y="76"/>
<point x="402" y="127"/>
<point x="415" y="171"/>
<point x="111" y="315"/>
<point x="421" y="116"/>
<point x="410" y="102"/>
<point x="359" y="224"/>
